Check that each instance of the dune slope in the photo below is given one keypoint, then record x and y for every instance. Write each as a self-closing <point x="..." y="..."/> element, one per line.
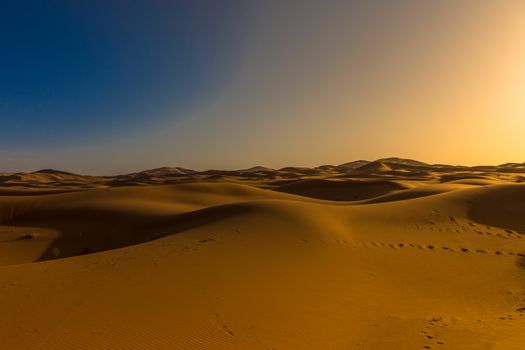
<point x="213" y="265"/>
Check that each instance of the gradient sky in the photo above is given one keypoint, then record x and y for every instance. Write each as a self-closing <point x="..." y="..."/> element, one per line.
<point x="109" y="87"/>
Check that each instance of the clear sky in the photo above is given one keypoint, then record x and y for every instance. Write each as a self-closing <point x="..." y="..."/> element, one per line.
<point x="107" y="87"/>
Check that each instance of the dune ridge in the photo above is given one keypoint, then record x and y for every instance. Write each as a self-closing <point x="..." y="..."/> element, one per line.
<point x="404" y="255"/>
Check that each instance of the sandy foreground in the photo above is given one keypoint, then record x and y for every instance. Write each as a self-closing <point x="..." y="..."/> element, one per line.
<point x="379" y="255"/>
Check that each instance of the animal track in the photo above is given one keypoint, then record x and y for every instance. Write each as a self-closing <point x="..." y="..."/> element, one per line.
<point x="222" y="325"/>
<point x="452" y="224"/>
<point x="434" y="329"/>
<point x="196" y="244"/>
<point x="432" y="247"/>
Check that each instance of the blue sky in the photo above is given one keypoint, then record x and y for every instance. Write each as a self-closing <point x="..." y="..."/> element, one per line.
<point x="77" y="71"/>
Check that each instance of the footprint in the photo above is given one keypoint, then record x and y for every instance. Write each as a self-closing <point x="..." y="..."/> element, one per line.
<point x="434" y="329"/>
<point x="222" y="325"/>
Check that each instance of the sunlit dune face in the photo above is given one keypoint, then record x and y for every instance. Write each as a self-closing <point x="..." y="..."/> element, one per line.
<point x="389" y="254"/>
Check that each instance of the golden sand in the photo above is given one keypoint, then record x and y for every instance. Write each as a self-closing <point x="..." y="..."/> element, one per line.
<point x="389" y="256"/>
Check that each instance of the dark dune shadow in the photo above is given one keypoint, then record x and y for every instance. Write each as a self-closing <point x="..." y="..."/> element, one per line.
<point x="91" y="231"/>
<point x="500" y="206"/>
<point x="35" y="192"/>
<point x="462" y="176"/>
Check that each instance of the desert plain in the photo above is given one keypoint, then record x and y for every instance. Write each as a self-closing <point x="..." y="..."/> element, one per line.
<point x="386" y="254"/>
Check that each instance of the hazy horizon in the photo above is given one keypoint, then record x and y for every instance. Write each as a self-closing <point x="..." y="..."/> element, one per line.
<point x="243" y="168"/>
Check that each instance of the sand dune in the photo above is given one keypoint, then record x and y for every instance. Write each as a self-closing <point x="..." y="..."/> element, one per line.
<point x="373" y="168"/>
<point x="300" y="259"/>
<point x="340" y="190"/>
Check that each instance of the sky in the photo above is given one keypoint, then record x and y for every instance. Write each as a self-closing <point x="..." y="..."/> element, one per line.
<point x="107" y="87"/>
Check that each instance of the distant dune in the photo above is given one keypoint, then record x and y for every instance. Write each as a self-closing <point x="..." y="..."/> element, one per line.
<point x="372" y="168"/>
<point x="388" y="254"/>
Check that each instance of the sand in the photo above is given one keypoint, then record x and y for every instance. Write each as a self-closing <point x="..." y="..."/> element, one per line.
<point x="395" y="255"/>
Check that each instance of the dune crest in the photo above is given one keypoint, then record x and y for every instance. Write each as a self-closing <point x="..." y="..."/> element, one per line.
<point x="384" y="255"/>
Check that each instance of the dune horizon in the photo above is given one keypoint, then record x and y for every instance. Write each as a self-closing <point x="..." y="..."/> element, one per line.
<point x="260" y="166"/>
<point x="392" y="253"/>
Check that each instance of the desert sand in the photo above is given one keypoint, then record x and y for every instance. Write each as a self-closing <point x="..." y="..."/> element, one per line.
<point x="388" y="254"/>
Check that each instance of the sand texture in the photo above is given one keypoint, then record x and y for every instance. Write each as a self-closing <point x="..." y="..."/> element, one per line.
<point x="390" y="254"/>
